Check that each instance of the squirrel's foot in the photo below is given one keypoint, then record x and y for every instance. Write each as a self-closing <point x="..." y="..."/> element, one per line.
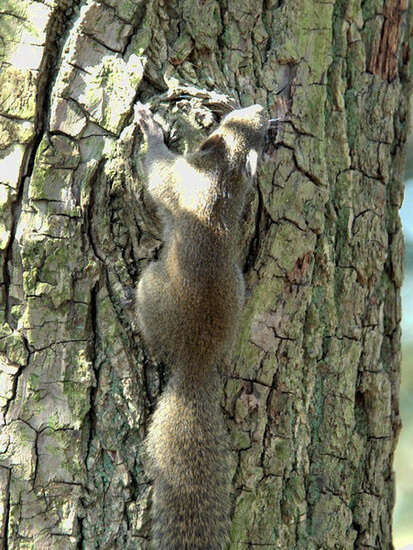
<point x="149" y="127"/>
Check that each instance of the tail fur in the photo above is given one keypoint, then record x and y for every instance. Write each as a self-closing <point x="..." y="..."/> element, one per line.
<point x="187" y="451"/>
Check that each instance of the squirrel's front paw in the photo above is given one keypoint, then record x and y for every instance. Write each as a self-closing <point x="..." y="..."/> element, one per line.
<point x="144" y="118"/>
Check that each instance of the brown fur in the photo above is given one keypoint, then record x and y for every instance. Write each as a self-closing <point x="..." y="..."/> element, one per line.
<point x="189" y="302"/>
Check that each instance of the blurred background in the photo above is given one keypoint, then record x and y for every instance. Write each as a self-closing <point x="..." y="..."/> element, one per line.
<point x="403" y="513"/>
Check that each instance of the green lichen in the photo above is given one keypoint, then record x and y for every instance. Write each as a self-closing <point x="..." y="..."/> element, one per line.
<point x="111" y="89"/>
<point x="21" y="105"/>
<point x="77" y="383"/>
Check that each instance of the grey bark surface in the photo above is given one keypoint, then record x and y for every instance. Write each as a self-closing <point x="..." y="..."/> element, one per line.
<point x="311" y="396"/>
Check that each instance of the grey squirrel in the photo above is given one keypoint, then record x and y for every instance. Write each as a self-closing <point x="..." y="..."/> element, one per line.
<point x="188" y="306"/>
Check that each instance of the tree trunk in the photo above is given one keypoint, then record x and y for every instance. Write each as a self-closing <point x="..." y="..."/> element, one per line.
<point x="311" y="396"/>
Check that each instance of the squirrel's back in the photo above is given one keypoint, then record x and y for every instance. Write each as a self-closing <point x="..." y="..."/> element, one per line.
<point x="189" y="302"/>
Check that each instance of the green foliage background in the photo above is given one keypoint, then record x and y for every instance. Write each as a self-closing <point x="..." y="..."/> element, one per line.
<point x="403" y="524"/>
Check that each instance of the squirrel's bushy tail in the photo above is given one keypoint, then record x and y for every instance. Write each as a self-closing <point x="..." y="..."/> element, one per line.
<point x="187" y="454"/>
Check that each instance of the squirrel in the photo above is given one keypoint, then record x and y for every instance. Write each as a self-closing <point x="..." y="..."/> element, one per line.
<point x="188" y="306"/>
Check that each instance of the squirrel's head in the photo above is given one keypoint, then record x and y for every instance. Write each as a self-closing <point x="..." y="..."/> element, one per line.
<point x="241" y="137"/>
<point x="248" y="120"/>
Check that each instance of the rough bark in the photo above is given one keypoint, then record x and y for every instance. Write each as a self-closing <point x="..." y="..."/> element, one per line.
<point x="312" y="394"/>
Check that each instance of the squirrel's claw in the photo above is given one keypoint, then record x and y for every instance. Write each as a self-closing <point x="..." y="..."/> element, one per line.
<point x="144" y="118"/>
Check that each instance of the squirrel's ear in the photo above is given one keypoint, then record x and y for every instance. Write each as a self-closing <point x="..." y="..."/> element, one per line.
<point x="211" y="144"/>
<point x="251" y="163"/>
